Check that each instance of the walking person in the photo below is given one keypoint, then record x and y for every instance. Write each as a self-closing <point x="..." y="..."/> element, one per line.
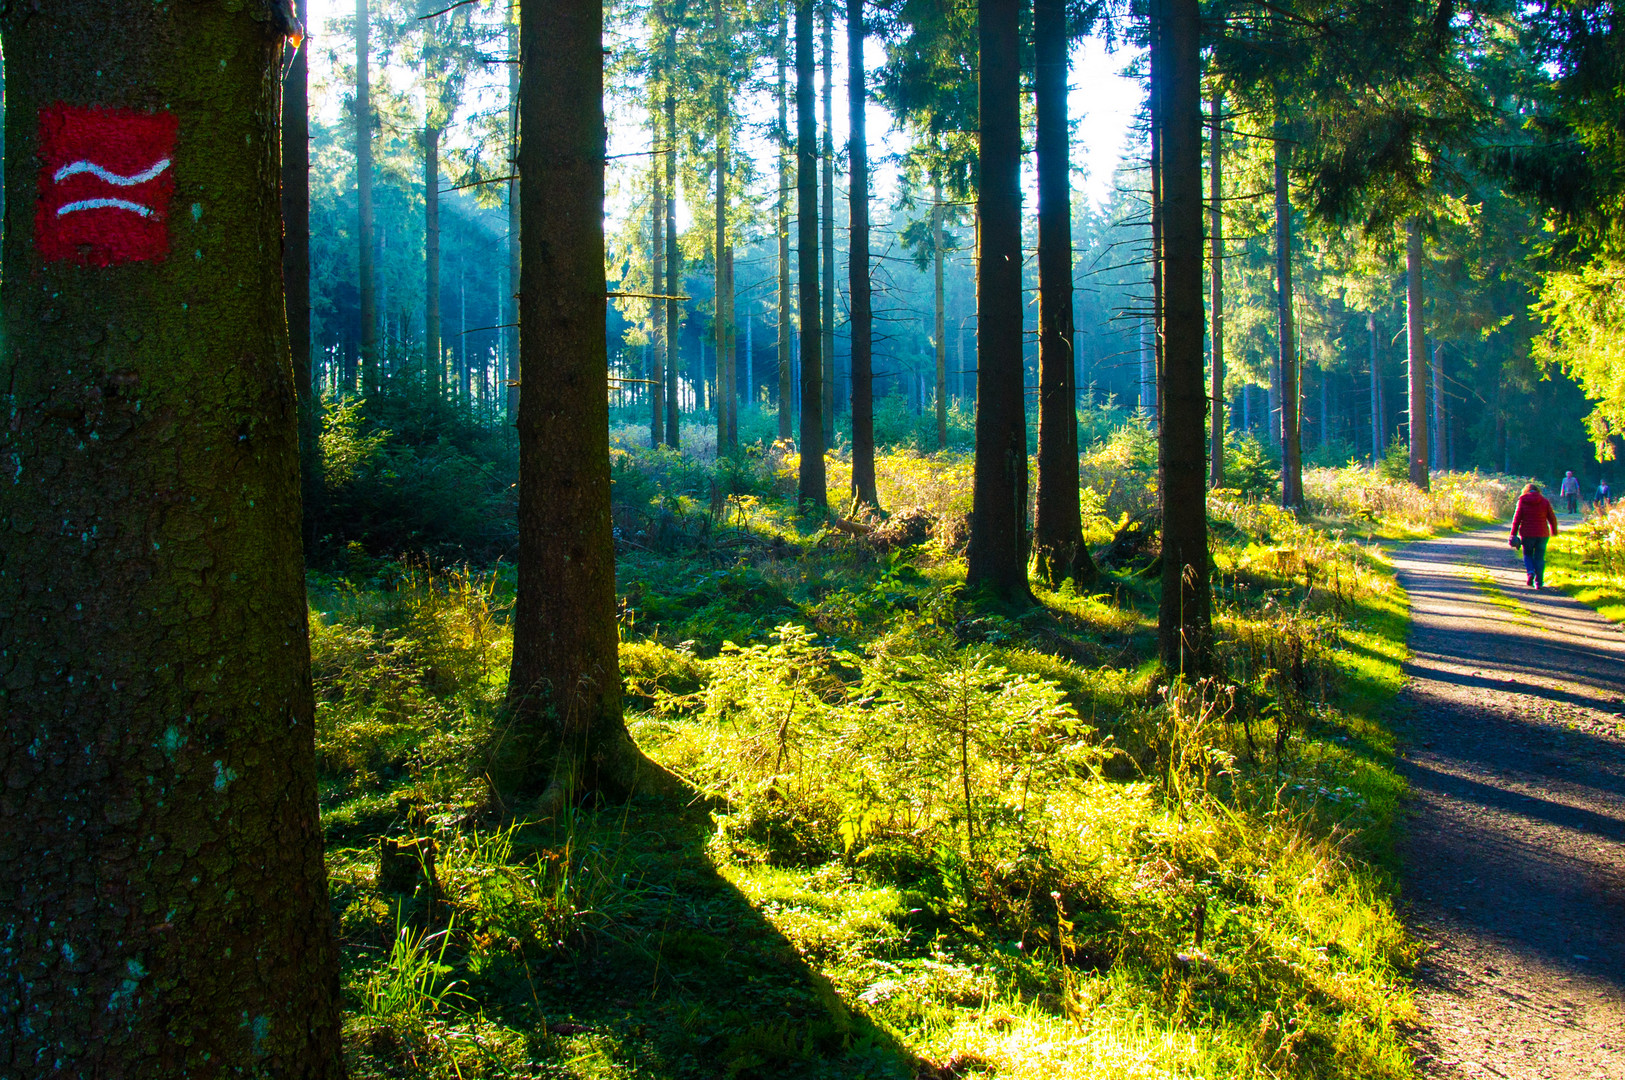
<point x="1533" y="524"/>
<point x="1570" y="491"/>
<point x="1605" y="498"/>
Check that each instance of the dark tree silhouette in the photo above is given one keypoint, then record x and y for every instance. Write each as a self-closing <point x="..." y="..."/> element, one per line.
<point x="862" y="315"/>
<point x="811" y="487"/>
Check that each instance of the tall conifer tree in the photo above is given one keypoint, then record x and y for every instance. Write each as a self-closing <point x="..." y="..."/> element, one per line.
<point x="162" y="887"/>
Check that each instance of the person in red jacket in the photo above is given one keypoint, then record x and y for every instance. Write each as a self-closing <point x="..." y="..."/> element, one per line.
<point x="1535" y="522"/>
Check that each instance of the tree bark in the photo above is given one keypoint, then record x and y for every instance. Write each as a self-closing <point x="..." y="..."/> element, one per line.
<point x="787" y="391"/>
<point x="1184" y="622"/>
<point x="811" y="487"/>
<point x="1376" y="392"/>
<point x="1058" y="549"/>
<point x="864" y="490"/>
<point x="564" y="690"/>
<point x="723" y="293"/>
<point x="674" y="254"/>
<point x="161" y="880"/>
<point x="1416" y="361"/>
<point x="296" y="268"/>
<point x="997" y="554"/>
<point x="433" y="360"/>
<point x="1286" y="363"/>
<point x="938" y="258"/>
<point x="1216" y="292"/>
<point x="827" y="228"/>
<point x="363" y="173"/>
<point x="657" y="280"/>
<point x="511" y="307"/>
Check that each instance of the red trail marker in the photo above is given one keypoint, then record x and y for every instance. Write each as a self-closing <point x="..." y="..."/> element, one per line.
<point x="106" y="180"/>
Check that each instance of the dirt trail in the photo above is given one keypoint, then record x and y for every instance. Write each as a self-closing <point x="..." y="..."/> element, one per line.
<point x="1515" y="856"/>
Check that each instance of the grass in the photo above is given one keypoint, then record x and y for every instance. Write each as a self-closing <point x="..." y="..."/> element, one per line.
<point x="927" y="837"/>
<point x="1585" y="562"/>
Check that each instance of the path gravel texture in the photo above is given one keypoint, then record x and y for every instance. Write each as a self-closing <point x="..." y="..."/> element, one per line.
<point x="1514" y="861"/>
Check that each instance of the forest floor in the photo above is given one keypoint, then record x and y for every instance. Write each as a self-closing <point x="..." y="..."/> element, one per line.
<point x="1515" y="855"/>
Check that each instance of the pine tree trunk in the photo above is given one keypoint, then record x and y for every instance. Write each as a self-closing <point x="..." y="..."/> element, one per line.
<point x="787" y="390"/>
<point x="1416" y="363"/>
<point x="363" y="172"/>
<point x="511" y="308"/>
<point x="657" y="279"/>
<point x="721" y="249"/>
<point x="827" y="233"/>
<point x="864" y="490"/>
<point x="1184" y="623"/>
<point x="938" y="258"/>
<point x="1286" y="363"/>
<point x="997" y="555"/>
<point x="162" y="888"/>
<point x="296" y="269"/>
<point x="1438" y="429"/>
<point x="1058" y="548"/>
<point x="811" y="488"/>
<point x="1216" y="293"/>
<point x="433" y="361"/>
<point x="564" y="690"/>
<point x="1376" y="393"/>
<point x="674" y="254"/>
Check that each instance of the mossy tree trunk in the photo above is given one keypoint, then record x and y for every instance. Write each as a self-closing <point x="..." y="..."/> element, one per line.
<point x="1058" y="547"/>
<point x="161" y="876"/>
<point x="811" y="486"/>
<point x="997" y="555"/>
<point x="864" y="490"/>
<point x="564" y="689"/>
<point x="511" y="304"/>
<point x="1184" y="622"/>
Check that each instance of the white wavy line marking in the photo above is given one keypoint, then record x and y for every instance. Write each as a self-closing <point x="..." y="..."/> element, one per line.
<point x="117" y="179"/>
<point x="104" y="204"/>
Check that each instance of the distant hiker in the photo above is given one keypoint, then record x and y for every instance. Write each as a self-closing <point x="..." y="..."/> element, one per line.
<point x="1533" y="523"/>
<point x="1605" y="498"/>
<point x="1570" y="491"/>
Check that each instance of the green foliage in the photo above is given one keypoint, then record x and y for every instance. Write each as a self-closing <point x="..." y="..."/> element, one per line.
<point x="1396" y="462"/>
<point x="1251" y="467"/>
<point x="413" y="980"/>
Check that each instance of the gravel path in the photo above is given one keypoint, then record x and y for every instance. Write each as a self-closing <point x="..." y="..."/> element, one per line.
<point x="1515" y="853"/>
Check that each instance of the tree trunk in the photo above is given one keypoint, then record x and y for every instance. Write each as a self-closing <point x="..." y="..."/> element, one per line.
<point x="296" y="269"/>
<point x="941" y="325"/>
<point x="997" y="555"/>
<point x="864" y="490"/>
<point x="827" y="234"/>
<point x="811" y="490"/>
<point x="674" y="254"/>
<point x="564" y="689"/>
<point x="511" y="307"/>
<point x="724" y="284"/>
<point x="1152" y="357"/>
<point x="161" y="880"/>
<point x="1376" y="393"/>
<point x="1286" y="364"/>
<point x="657" y="280"/>
<point x="433" y="360"/>
<point x="1416" y="363"/>
<point x="1436" y="432"/>
<point x="1059" y="551"/>
<point x="364" y="214"/>
<point x="1216" y="293"/>
<point x="787" y="391"/>
<point x="1184" y="623"/>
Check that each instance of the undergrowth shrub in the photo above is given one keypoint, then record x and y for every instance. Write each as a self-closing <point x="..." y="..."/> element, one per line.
<point x="1366" y="497"/>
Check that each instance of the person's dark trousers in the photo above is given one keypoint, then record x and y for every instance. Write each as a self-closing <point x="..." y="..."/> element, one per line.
<point x="1534" y="558"/>
<point x="1574" y="503"/>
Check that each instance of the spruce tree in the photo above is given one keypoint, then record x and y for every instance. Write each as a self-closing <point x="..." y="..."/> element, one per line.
<point x="161" y="879"/>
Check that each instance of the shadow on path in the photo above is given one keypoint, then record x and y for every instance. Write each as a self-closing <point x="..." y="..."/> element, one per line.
<point x="1516" y="839"/>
